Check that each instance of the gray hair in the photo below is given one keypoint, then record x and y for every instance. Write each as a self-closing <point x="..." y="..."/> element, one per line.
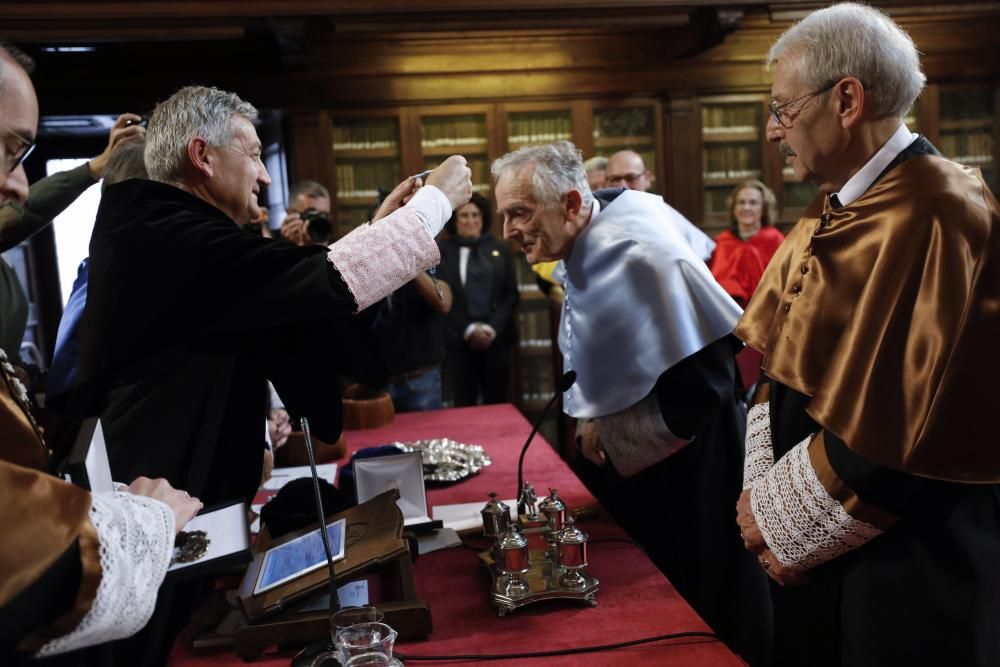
<point x="558" y="169"/>
<point x="194" y="111"/>
<point x="308" y="189"/>
<point x="596" y="163"/>
<point x="126" y="161"/>
<point x="851" y="39"/>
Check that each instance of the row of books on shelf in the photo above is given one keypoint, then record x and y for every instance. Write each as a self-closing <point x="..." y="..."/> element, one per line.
<point x="536" y="378"/>
<point x="533" y="325"/>
<point x="366" y="177"/>
<point x="731" y="117"/>
<point x="726" y="160"/>
<point x="711" y="130"/>
<point x="966" y="144"/>
<point x="730" y="173"/>
<point x="365" y="136"/>
<point x="527" y="287"/>
<point x="358" y="194"/>
<point x="538" y="129"/>
<point x="451" y="131"/>
<point x="535" y="342"/>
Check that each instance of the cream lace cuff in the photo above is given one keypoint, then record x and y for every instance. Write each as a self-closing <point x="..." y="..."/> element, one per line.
<point x="801" y="523"/>
<point x="376" y="259"/>
<point x="136" y="535"/>
<point x="759" y="451"/>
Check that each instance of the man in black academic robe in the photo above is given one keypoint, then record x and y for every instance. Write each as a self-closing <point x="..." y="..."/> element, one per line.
<point x="187" y="314"/>
<point x="648" y="332"/>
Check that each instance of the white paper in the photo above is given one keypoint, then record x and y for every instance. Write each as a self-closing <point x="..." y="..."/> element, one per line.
<point x="255" y="526"/>
<point x="97" y="463"/>
<point x="282" y="476"/>
<point x="226" y="530"/>
<point x="351" y="594"/>
<point x="466" y="516"/>
<point x="404" y="472"/>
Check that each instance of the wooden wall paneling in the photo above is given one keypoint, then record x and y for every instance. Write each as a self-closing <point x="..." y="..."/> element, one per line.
<point x="582" y="116"/>
<point x="929" y="109"/>
<point x="683" y="189"/>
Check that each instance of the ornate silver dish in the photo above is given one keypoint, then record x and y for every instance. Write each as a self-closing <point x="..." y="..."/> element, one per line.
<point x="445" y="460"/>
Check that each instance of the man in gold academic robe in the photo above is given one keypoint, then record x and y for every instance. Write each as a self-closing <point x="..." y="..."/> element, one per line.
<point x="872" y="464"/>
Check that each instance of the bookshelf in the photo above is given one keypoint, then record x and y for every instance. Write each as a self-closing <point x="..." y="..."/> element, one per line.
<point x="367" y="157"/>
<point x="967" y="129"/>
<point x="629" y="128"/>
<point x="732" y="140"/>
<point x="464" y="132"/>
<point x="531" y="128"/>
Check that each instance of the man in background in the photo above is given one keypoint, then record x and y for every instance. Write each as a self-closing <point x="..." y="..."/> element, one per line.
<point x="308" y="215"/>
<point x="626" y="169"/>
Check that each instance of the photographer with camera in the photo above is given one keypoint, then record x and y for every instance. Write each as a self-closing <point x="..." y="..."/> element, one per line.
<point x="308" y="219"/>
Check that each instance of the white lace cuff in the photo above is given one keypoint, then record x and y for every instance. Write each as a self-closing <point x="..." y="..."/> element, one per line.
<point x="801" y="523"/>
<point x="759" y="450"/>
<point x="136" y="536"/>
<point x="637" y="437"/>
<point x="376" y="259"/>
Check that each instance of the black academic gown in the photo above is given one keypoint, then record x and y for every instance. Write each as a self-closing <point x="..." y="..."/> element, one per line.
<point x="925" y="592"/>
<point x="682" y="509"/>
<point x="187" y="315"/>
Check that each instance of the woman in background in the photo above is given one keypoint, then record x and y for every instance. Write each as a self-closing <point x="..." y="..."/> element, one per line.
<point x="743" y="251"/>
<point x="479" y="327"/>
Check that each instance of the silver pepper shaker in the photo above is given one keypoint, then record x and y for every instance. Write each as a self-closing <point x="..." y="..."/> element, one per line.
<point x="496" y="517"/>
<point x="555" y="514"/>
<point x="512" y="558"/>
<point x="572" y="554"/>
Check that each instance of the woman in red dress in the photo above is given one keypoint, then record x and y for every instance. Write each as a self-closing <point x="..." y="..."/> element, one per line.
<point x="743" y="251"/>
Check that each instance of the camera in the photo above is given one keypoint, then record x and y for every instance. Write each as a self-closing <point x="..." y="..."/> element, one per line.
<point x="317" y="224"/>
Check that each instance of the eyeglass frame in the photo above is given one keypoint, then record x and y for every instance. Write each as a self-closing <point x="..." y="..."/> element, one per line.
<point x="629" y="178"/>
<point x="776" y="109"/>
<point x="17" y="157"/>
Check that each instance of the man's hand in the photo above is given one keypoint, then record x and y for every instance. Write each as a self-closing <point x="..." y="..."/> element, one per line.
<point x="121" y="131"/>
<point x="294" y="229"/>
<point x="454" y="178"/>
<point x="184" y="505"/>
<point x="481" y="338"/>
<point x="778" y="572"/>
<point x="398" y="197"/>
<point x="752" y="539"/>
<point x="279" y="427"/>
<point x="590" y="443"/>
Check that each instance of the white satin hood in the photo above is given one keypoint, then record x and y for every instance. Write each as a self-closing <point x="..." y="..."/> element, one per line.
<point x="638" y="301"/>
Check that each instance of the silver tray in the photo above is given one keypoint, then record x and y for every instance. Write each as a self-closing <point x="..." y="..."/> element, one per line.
<point x="445" y="460"/>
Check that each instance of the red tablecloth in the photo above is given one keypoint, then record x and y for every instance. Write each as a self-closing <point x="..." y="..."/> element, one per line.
<point x="635" y="600"/>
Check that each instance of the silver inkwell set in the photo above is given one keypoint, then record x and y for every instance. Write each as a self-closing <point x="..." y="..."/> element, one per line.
<point x="539" y="556"/>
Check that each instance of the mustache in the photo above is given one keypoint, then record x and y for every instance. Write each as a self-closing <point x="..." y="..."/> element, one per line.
<point x="786" y="150"/>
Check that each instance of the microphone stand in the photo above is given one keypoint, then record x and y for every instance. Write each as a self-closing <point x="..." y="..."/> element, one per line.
<point x="334" y="597"/>
<point x="565" y="383"/>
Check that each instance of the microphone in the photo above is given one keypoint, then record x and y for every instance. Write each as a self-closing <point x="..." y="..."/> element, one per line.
<point x="334" y="598"/>
<point x="565" y="382"/>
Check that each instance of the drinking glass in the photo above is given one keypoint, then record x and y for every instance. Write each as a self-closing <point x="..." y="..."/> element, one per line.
<point x="366" y="645"/>
<point x="340" y="619"/>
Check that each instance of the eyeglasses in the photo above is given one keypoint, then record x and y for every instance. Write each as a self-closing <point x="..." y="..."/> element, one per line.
<point x="625" y="178"/>
<point x="782" y="117"/>
<point x="15" y="148"/>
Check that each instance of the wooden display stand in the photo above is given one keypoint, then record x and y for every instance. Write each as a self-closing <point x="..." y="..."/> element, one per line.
<point x="375" y="550"/>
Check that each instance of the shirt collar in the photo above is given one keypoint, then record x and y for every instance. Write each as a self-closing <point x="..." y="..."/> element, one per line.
<point x="861" y="181"/>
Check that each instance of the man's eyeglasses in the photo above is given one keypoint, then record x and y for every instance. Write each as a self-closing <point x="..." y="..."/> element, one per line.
<point x="625" y="178"/>
<point x="781" y="117"/>
<point x="15" y="148"/>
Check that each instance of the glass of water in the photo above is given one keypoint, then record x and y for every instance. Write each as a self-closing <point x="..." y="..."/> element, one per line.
<point x="366" y="645"/>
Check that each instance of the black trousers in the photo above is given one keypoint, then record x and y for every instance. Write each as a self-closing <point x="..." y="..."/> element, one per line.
<point x="470" y="373"/>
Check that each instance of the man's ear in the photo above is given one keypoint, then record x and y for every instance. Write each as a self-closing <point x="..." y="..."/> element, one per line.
<point x="850" y="95"/>
<point x="199" y="156"/>
<point x="571" y="204"/>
